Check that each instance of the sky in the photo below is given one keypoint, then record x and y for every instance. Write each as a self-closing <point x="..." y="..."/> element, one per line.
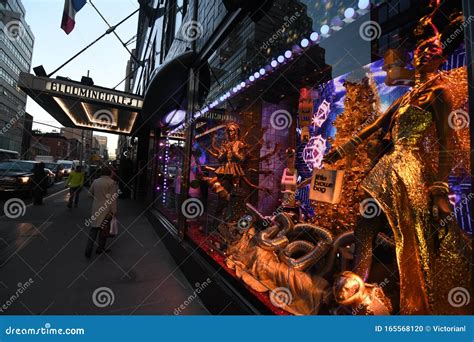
<point x="106" y="60"/>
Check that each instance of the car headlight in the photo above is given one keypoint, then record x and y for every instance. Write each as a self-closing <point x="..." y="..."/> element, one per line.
<point x="24" y="180"/>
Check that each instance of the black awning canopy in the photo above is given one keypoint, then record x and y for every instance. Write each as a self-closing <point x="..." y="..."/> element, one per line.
<point x="166" y="96"/>
<point x="76" y="105"/>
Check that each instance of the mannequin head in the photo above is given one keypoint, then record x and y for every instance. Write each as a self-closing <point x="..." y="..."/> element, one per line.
<point x="428" y="55"/>
<point x="233" y="131"/>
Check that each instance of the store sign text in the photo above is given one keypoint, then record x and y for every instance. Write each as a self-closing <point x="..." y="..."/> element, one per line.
<point x="92" y="94"/>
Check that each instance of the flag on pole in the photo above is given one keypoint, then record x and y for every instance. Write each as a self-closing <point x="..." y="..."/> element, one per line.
<point x="71" y="7"/>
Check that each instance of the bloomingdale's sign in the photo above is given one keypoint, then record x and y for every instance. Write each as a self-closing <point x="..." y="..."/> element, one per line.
<point x="94" y="94"/>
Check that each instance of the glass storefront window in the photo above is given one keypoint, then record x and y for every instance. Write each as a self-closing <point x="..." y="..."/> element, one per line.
<point x="169" y="159"/>
<point x="336" y="166"/>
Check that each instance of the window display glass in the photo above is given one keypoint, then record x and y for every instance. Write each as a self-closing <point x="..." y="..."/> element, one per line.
<point x="334" y="179"/>
<point x="169" y="158"/>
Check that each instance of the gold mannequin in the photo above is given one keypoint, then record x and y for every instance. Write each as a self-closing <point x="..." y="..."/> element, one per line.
<point x="432" y="260"/>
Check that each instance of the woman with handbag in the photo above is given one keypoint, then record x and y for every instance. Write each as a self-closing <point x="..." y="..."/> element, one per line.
<point x="104" y="190"/>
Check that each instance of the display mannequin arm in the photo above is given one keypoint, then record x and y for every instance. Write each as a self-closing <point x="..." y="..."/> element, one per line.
<point x="439" y="190"/>
<point x="441" y="109"/>
<point x="253" y="186"/>
<point x="268" y="155"/>
<point x="212" y="153"/>
<point x="351" y="145"/>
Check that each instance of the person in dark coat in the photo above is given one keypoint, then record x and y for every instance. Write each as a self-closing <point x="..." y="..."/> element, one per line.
<point x="40" y="183"/>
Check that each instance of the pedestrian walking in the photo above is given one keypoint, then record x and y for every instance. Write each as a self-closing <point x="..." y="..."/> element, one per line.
<point x="75" y="181"/>
<point x="40" y="183"/>
<point x="104" y="190"/>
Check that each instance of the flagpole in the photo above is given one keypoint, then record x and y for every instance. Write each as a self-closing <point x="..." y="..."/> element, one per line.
<point x="109" y="30"/>
<point x="115" y="33"/>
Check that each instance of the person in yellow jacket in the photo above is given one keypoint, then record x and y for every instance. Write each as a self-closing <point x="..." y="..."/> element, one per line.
<point x="75" y="181"/>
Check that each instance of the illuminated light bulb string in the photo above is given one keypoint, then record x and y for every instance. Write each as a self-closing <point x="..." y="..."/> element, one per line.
<point x="165" y="169"/>
<point x="350" y="14"/>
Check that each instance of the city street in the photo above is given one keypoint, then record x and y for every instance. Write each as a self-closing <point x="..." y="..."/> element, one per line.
<point x="43" y="253"/>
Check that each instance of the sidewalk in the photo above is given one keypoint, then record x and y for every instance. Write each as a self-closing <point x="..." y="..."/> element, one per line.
<point x="47" y="244"/>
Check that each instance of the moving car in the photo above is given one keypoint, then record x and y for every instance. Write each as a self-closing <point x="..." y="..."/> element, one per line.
<point x="68" y="166"/>
<point x="51" y="177"/>
<point x="7" y="155"/>
<point x="16" y="175"/>
<point x="58" y="170"/>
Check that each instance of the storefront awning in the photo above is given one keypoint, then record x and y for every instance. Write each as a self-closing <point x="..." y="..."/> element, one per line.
<point x="76" y="105"/>
<point x="166" y="96"/>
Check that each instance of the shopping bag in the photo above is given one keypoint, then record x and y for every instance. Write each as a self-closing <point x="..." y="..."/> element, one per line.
<point x="113" y="227"/>
<point x="326" y="186"/>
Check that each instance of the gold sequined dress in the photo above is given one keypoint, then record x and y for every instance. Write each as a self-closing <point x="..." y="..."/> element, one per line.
<point x="398" y="183"/>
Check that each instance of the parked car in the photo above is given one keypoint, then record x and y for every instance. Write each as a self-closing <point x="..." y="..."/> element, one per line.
<point x="16" y="176"/>
<point x="58" y="170"/>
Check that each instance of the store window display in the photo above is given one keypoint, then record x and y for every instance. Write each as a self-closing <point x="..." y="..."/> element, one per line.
<point x="431" y="259"/>
<point x="383" y="144"/>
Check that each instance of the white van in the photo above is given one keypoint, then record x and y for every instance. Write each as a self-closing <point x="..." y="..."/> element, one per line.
<point x="69" y="165"/>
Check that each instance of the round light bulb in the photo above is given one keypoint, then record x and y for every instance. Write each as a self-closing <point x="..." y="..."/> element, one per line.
<point x="349" y="13"/>
<point x="325" y="29"/>
<point x="364" y="4"/>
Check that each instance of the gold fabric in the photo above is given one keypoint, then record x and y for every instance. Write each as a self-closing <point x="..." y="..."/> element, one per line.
<point x="398" y="183"/>
<point x="262" y="271"/>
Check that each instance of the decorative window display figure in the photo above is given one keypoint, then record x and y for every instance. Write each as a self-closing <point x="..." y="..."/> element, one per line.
<point x="433" y="258"/>
<point x="232" y="155"/>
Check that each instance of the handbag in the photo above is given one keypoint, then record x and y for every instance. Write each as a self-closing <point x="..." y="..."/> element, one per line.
<point x="113" y="227"/>
<point x="109" y="226"/>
